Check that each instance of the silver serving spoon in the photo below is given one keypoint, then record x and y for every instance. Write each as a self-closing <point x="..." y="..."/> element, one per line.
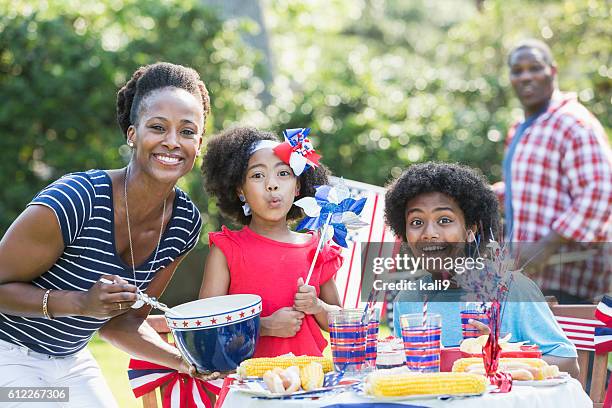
<point x="143" y="298"/>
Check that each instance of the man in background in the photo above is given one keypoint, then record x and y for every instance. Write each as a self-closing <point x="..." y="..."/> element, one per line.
<point x="558" y="182"/>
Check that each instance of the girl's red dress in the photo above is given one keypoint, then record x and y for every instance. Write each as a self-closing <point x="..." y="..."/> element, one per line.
<point x="270" y="269"/>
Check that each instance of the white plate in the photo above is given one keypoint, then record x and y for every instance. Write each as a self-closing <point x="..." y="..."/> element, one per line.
<point x="257" y="388"/>
<point x="416" y="397"/>
<point x="562" y="379"/>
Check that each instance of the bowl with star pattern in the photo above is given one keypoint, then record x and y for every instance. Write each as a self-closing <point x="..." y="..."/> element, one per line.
<point x="216" y="333"/>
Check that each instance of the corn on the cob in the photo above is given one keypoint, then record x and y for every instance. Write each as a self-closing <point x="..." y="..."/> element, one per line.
<point x="397" y="385"/>
<point x="460" y="365"/>
<point x="256" y="367"/>
<point x="311" y="376"/>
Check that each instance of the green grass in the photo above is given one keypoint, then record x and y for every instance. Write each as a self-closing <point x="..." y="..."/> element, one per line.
<point x="114" y="363"/>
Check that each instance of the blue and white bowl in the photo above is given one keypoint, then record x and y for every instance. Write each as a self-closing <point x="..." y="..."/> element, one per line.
<point x="217" y="333"/>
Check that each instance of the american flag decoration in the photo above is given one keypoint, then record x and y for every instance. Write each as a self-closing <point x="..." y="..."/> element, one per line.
<point x="603" y="335"/>
<point x="182" y="390"/>
<point x="604" y="311"/>
<point x="581" y="332"/>
<point x="349" y="277"/>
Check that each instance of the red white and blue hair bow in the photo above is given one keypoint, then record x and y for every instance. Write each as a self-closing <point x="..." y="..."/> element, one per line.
<point x="297" y="150"/>
<point x="182" y="390"/>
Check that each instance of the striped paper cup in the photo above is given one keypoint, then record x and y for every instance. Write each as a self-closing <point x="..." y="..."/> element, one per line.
<point x="422" y="344"/>
<point x="467" y="329"/>
<point x="347" y="335"/>
<point x="372" y="338"/>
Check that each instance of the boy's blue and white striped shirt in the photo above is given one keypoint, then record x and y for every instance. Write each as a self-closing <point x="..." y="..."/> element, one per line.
<point x="83" y="205"/>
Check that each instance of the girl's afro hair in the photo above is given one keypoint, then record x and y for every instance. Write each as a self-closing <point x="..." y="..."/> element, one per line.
<point x="224" y="168"/>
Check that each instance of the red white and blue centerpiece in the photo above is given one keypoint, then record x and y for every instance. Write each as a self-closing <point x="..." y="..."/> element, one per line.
<point x="217" y="333"/>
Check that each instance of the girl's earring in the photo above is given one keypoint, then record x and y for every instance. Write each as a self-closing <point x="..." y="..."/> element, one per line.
<point x="246" y="208"/>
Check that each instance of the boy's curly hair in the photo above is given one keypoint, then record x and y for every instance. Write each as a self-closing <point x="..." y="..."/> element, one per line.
<point x="224" y="168"/>
<point x="467" y="186"/>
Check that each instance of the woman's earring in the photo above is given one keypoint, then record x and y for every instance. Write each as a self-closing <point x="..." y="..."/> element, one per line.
<point x="130" y="143"/>
<point x="246" y="208"/>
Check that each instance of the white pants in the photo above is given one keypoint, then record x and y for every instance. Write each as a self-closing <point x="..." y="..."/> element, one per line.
<point x="22" y="367"/>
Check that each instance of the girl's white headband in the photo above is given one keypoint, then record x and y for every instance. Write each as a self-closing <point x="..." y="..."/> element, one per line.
<point x="263" y="144"/>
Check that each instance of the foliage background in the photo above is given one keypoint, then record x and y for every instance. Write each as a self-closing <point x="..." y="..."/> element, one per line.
<point x="383" y="84"/>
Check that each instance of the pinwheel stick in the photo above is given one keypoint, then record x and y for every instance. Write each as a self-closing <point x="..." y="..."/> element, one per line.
<point x="321" y="243"/>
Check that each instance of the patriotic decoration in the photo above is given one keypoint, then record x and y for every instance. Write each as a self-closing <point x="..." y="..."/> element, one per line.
<point x="604" y="310"/>
<point x="603" y="335"/>
<point x="491" y="351"/>
<point x="581" y="332"/>
<point x="182" y="390"/>
<point x="603" y="339"/>
<point x="332" y="206"/>
<point x="361" y="244"/>
<point x="297" y="150"/>
<point x="491" y="283"/>
<point x="216" y="320"/>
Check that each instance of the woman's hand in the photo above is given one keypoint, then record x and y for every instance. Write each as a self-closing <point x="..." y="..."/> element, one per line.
<point x="306" y="299"/>
<point x="482" y="328"/>
<point x="285" y="322"/>
<point x="104" y="300"/>
<point x="186" y="368"/>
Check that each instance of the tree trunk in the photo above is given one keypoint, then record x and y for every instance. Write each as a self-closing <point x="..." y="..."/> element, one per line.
<point x="251" y="9"/>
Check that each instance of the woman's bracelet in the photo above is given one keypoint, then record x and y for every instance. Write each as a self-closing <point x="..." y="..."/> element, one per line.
<point x="45" y="305"/>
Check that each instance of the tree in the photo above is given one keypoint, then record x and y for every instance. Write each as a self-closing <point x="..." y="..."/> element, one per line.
<point x="389" y="83"/>
<point x="60" y="68"/>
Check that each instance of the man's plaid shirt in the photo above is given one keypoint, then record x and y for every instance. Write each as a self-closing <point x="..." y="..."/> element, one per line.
<point x="562" y="181"/>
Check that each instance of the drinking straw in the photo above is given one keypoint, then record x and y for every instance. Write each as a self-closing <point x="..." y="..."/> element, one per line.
<point x="425" y="312"/>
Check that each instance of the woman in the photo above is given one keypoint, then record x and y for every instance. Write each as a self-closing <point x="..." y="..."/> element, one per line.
<point x="131" y="226"/>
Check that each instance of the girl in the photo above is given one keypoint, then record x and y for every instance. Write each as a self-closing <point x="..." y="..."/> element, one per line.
<point x="257" y="189"/>
<point x="131" y="225"/>
<point x="438" y="207"/>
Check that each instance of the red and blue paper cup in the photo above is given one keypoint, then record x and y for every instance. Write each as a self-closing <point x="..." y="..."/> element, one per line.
<point x="347" y="335"/>
<point x="422" y="342"/>
<point x="467" y="329"/>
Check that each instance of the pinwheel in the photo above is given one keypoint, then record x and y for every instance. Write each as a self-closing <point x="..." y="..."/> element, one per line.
<point x="331" y="207"/>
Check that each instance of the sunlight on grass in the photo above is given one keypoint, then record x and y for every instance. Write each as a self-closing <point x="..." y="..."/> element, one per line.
<point x="114" y="363"/>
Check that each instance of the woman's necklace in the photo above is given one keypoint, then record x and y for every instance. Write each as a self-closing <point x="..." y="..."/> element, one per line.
<point x="139" y="303"/>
